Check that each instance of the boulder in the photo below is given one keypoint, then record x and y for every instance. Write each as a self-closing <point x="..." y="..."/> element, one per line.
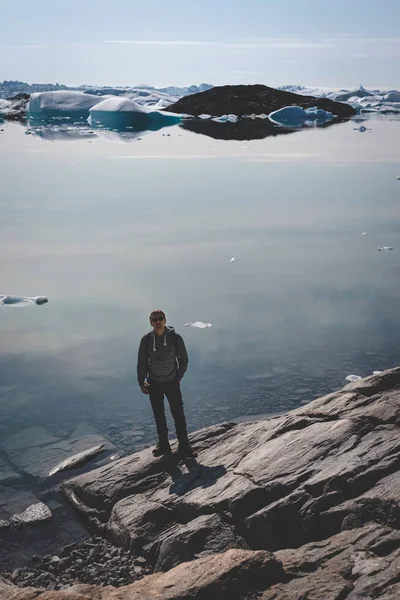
<point x="257" y="99"/>
<point x="40" y="454"/>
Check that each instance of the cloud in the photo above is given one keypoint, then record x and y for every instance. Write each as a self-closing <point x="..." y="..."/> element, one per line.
<point x="280" y="43"/>
<point x="20" y="46"/>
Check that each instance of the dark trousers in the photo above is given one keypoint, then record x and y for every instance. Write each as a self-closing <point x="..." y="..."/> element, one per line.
<point x="172" y="391"/>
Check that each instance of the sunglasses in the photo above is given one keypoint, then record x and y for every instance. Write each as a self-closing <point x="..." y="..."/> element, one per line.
<point x="155" y="319"/>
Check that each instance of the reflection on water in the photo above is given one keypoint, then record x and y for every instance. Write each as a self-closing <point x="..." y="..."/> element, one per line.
<point x="117" y="127"/>
<point x="308" y="301"/>
<point x="64" y="128"/>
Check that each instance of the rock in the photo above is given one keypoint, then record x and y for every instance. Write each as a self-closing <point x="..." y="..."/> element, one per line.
<point x="321" y="474"/>
<point x="77" y="460"/>
<point x="34" y="515"/>
<point x="47" y="454"/>
<point x="207" y="534"/>
<point x="252" y="99"/>
<point x="224" y="576"/>
<point x="19" y="508"/>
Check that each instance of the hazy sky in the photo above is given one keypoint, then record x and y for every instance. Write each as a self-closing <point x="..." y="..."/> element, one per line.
<point x="339" y="43"/>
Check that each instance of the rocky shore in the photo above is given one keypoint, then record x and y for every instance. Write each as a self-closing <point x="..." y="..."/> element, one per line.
<point x="304" y="505"/>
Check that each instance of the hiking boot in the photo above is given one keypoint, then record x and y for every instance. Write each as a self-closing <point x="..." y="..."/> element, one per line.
<point x="186" y="451"/>
<point x="161" y="448"/>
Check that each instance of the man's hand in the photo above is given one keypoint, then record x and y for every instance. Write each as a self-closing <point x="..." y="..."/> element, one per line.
<point x="145" y="388"/>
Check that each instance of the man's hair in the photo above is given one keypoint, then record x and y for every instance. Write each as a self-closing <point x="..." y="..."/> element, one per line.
<point x="157" y="311"/>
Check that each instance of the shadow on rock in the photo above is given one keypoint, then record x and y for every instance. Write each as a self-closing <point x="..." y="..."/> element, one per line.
<point x="197" y="476"/>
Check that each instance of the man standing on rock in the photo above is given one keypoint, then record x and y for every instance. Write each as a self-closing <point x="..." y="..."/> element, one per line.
<point x="162" y="362"/>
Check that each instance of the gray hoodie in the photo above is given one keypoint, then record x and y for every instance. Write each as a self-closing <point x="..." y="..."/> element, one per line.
<point x="161" y="358"/>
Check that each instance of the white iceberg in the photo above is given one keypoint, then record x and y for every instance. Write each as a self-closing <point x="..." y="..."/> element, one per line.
<point x="364" y="233"/>
<point x="392" y="96"/>
<point x="383" y="248"/>
<point x="296" y="116"/>
<point x="22" y="300"/>
<point x="233" y="259"/>
<point x="61" y="103"/>
<point x="353" y="377"/>
<point x="117" y="110"/>
<point x="4" y="106"/>
<point x="198" y="325"/>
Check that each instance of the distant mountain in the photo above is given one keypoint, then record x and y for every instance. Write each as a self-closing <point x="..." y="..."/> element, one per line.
<point x="9" y="88"/>
<point x="301" y="89"/>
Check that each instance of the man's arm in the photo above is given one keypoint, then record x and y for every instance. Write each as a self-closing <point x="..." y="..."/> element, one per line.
<point x="182" y="356"/>
<point x="142" y="362"/>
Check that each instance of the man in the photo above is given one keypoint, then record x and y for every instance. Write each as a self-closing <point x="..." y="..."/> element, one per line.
<point x="162" y="362"/>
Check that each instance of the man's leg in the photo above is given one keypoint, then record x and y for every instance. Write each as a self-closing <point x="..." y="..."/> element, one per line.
<point x="157" y="404"/>
<point x="174" y="396"/>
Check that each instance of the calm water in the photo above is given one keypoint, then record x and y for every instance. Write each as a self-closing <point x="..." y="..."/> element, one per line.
<point x="110" y="227"/>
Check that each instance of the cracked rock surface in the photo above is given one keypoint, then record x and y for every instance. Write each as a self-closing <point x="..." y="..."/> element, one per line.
<point x="315" y="491"/>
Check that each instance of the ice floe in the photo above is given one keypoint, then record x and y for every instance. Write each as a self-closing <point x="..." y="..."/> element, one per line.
<point x="233" y="259"/>
<point x="364" y="233"/>
<point x="383" y="248"/>
<point x="296" y="116"/>
<point x="22" y="300"/>
<point x="353" y="377"/>
<point x="198" y="325"/>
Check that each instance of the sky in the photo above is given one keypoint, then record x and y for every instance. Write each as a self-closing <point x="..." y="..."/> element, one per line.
<point x="335" y="44"/>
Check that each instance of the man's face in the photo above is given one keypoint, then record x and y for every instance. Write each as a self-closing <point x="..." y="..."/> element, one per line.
<point x="158" y="321"/>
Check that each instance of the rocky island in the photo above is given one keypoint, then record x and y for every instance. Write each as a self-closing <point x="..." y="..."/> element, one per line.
<point x="257" y="99"/>
<point x="305" y="505"/>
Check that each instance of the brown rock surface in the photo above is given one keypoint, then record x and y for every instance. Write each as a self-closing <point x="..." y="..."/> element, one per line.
<point x="223" y="576"/>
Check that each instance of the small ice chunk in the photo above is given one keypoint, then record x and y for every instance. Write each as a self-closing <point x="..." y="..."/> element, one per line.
<point x="22" y="300"/>
<point x="198" y="324"/>
<point x="364" y="233"/>
<point x="205" y="116"/>
<point x="376" y="372"/>
<point x="233" y="259"/>
<point x="226" y="119"/>
<point x="382" y="248"/>
<point x="353" y="377"/>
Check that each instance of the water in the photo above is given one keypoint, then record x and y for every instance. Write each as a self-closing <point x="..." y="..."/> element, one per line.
<point x="109" y="231"/>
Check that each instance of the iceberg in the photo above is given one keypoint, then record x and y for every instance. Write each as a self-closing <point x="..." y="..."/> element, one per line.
<point x="296" y="116"/>
<point x="353" y="377"/>
<point x="383" y="248"/>
<point x="61" y="103"/>
<point x="198" y="325"/>
<point x="22" y="300"/>
<point x="117" y="111"/>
